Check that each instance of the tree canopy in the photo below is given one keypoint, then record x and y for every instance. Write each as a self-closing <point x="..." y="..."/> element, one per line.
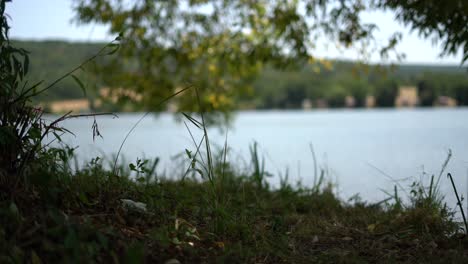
<point x="443" y="21"/>
<point x="221" y="45"/>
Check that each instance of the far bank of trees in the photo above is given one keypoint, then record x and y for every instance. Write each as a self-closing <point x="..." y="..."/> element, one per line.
<point x="279" y="89"/>
<point x="288" y="89"/>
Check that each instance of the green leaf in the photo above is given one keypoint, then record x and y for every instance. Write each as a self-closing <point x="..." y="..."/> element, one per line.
<point x="35" y="258"/>
<point x="103" y="240"/>
<point x="26" y="64"/>
<point x="80" y="83"/>
<point x="83" y="198"/>
<point x="189" y="153"/>
<point x="7" y="133"/>
<point x="57" y="136"/>
<point x="135" y="253"/>
<point x="119" y="37"/>
<point x="176" y="241"/>
<point x="71" y="239"/>
<point x="193" y="121"/>
<point x="200" y="172"/>
<point x="34" y="133"/>
<point x="14" y="209"/>
<point x="141" y="179"/>
<point x="114" y="48"/>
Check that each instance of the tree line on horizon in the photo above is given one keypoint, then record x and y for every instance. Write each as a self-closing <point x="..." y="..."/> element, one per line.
<point x="288" y="89"/>
<point x="330" y="81"/>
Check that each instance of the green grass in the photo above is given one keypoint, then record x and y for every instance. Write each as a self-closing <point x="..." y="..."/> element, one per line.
<point x="79" y="217"/>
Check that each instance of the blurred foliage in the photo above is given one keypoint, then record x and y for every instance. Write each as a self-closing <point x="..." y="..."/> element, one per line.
<point x="219" y="46"/>
<point x="442" y="21"/>
<point x="21" y="125"/>
<point x="24" y="130"/>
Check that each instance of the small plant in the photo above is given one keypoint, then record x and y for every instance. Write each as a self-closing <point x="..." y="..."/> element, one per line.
<point x="145" y="171"/>
<point x="22" y="126"/>
<point x="259" y="173"/>
<point x="139" y="167"/>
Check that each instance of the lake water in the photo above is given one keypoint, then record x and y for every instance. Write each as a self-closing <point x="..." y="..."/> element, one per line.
<point x="360" y="149"/>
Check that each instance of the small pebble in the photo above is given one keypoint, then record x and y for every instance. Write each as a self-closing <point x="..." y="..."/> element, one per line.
<point x="315" y="239"/>
<point x="172" y="261"/>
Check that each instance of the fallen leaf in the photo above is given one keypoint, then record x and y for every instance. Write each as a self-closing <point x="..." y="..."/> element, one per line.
<point x="371" y="228"/>
<point x="220" y="244"/>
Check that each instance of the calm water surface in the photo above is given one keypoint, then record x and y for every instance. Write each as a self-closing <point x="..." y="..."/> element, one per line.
<point x="360" y="149"/>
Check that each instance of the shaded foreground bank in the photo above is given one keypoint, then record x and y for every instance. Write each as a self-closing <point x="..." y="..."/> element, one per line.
<point x="232" y="216"/>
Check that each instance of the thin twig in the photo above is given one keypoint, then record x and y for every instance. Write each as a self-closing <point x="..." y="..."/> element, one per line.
<point x="396" y="181"/>
<point x="92" y="115"/>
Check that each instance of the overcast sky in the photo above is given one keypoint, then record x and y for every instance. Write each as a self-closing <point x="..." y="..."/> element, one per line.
<point x="52" y="19"/>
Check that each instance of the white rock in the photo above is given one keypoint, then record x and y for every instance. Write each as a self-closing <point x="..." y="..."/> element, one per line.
<point x="315" y="239"/>
<point x="132" y="205"/>
<point x="172" y="261"/>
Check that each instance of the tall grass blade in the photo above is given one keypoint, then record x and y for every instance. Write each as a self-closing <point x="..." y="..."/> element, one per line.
<point x="431" y="186"/>
<point x="193" y="158"/>
<point x="314" y="158"/>
<point x="80" y="83"/>
<point x="138" y="122"/>
<point x="69" y="73"/>
<point x="396" y="181"/>
<point x="459" y="202"/>
<point x="193" y="121"/>
<point x="258" y="165"/>
<point x="207" y="142"/>
<point x="197" y="146"/>
<point x="442" y="169"/>
<point x="224" y="158"/>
